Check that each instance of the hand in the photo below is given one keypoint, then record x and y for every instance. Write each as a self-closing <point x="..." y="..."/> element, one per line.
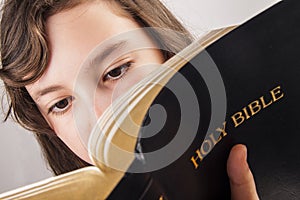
<point x="241" y="179"/>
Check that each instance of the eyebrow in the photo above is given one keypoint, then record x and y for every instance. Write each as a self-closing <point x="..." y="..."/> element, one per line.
<point x="95" y="60"/>
<point x="47" y="90"/>
<point x="106" y="53"/>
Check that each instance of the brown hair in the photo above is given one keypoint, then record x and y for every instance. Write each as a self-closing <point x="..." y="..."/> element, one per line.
<point x="25" y="53"/>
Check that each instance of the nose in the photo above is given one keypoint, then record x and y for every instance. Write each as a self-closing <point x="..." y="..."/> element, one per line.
<point x="102" y="100"/>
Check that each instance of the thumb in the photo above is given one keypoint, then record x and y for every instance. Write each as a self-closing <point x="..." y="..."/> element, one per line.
<point x="241" y="179"/>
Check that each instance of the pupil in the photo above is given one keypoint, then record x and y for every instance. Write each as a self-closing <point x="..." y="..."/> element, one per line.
<point x="115" y="72"/>
<point x="62" y="104"/>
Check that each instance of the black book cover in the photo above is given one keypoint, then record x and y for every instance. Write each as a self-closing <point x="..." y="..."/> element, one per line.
<point x="259" y="96"/>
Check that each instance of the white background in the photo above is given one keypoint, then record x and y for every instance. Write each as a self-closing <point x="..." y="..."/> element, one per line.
<point x="21" y="161"/>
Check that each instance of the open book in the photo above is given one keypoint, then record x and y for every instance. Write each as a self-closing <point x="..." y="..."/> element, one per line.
<point x="235" y="85"/>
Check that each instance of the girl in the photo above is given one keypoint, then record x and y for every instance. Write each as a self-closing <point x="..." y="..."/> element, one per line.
<point x="43" y="44"/>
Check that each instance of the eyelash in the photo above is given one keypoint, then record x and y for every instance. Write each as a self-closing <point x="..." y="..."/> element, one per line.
<point x="124" y="68"/>
<point x="61" y="111"/>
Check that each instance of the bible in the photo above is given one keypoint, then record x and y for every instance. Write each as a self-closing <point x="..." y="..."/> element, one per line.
<point x="235" y="85"/>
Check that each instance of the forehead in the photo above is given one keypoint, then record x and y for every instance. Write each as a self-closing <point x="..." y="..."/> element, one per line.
<point x="72" y="35"/>
<point x="80" y="28"/>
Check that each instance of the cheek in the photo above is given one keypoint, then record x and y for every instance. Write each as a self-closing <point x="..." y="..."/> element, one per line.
<point x="103" y="99"/>
<point x="105" y="96"/>
<point x="68" y="132"/>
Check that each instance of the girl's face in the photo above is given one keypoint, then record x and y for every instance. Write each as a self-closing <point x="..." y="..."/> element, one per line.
<point x="73" y="34"/>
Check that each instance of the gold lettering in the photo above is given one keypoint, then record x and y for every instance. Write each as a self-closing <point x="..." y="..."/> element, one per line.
<point x="208" y="145"/>
<point x="222" y="131"/>
<point x="246" y="113"/>
<point x="238" y="119"/>
<point x="274" y="93"/>
<point x="212" y="137"/>
<point x="194" y="160"/>
<point x="202" y="149"/>
<point x="264" y="103"/>
<point x="254" y="105"/>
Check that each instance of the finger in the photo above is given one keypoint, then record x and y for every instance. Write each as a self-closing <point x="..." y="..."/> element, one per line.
<point x="241" y="179"/>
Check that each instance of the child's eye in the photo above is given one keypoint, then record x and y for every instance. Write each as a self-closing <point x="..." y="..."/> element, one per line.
<point x="62" y="106"/>
<point x="117" y="72"/>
